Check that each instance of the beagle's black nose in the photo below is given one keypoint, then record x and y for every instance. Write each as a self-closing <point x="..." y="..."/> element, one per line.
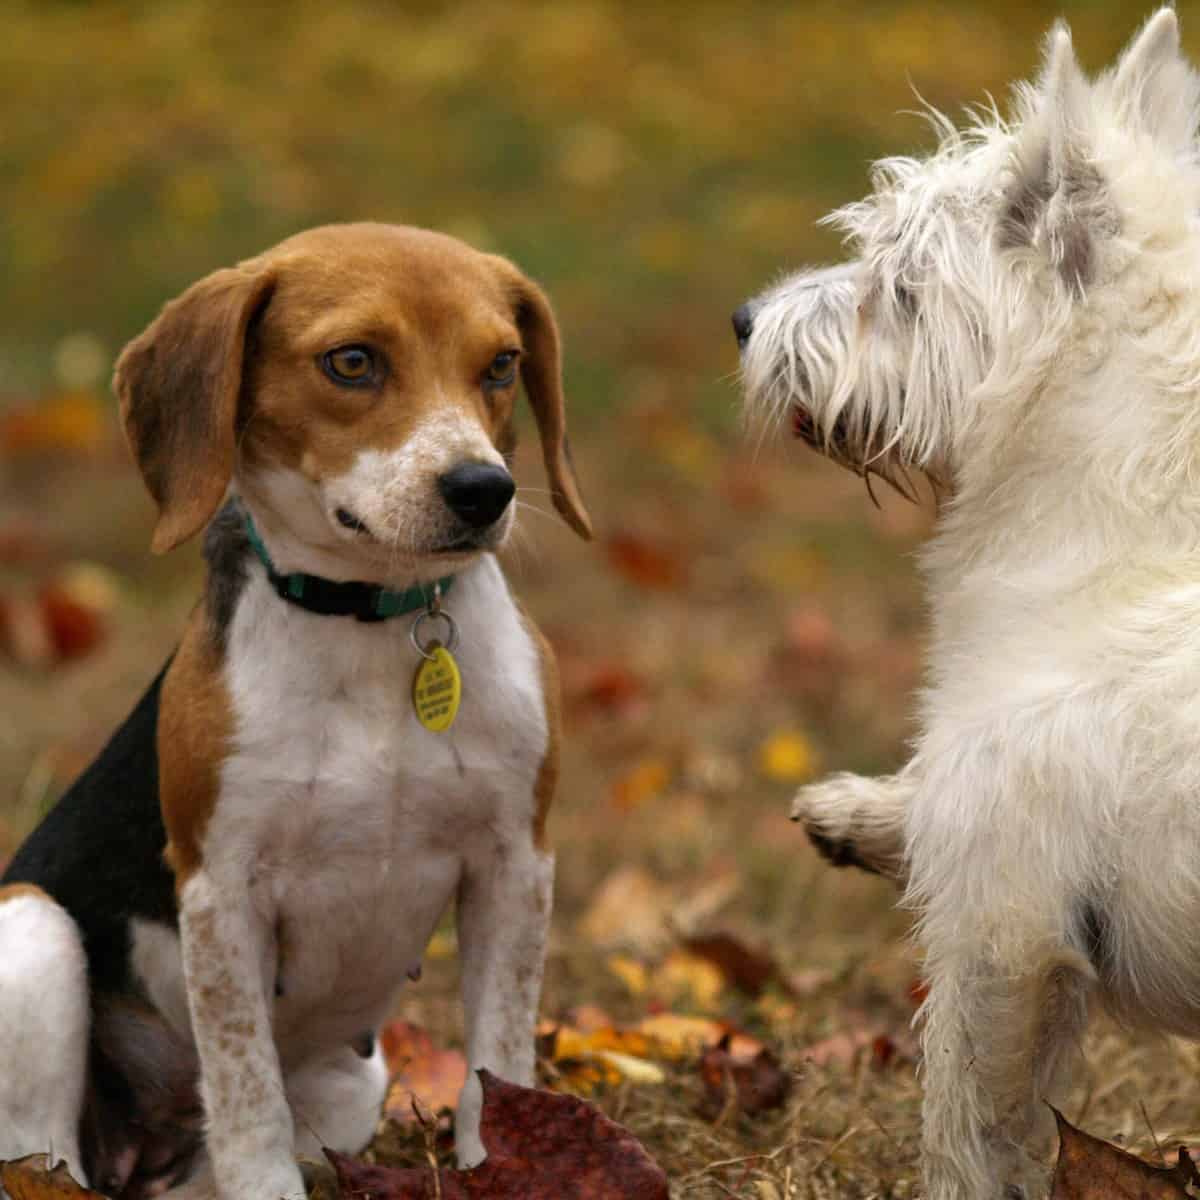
<point x="743" y="324"/>
<point x="477" y="492"/>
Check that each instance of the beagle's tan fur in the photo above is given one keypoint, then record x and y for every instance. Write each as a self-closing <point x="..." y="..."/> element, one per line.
<point x="232" y="894"/>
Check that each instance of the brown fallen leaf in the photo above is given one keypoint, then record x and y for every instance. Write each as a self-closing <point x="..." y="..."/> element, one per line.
<point x="419" y="1069"/>
<point x="541" y="1146"/>
<point x="630" y="908"/>
<point x="32" y="1178"/>
<point x="1091" y="1169"/>
<point x="747" y="970"/>
<point x="757" y="1084"/>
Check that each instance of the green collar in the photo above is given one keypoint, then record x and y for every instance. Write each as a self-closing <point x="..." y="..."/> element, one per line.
<point x="330" y="598"/>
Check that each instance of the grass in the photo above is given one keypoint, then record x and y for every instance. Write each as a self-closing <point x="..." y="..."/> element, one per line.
<point x="653" y="165"/>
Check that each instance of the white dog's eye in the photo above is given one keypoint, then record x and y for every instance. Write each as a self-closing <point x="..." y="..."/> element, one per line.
<point x="502" y="370"/>
<point x="351" y="366"/>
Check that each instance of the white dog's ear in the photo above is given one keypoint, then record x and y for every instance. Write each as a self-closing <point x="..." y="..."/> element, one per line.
<point x="1056" y="204"/>
<point x="1154" y="88"/>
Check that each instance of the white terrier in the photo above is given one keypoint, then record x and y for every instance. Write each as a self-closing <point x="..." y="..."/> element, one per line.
<point x="1022" y="322"/>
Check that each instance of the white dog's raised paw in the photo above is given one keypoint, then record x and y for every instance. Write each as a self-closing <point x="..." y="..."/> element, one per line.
<point x="856" y="822"/>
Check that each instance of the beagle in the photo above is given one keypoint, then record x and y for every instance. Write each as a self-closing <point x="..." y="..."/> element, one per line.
<point x="198" y="942"/>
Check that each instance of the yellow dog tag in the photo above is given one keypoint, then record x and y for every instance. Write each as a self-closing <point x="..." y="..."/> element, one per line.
<point x="437" y="689"/>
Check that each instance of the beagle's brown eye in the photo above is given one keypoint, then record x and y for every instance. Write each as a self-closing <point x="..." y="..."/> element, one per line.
<point x="353" y="366"/>
<point x="503" y="369"/>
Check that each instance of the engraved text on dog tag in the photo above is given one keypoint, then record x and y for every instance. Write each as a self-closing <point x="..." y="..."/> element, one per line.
<point x="437" y="689"/>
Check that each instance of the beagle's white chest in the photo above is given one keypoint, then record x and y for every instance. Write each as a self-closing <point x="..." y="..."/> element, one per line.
<point x="353" y="821"/>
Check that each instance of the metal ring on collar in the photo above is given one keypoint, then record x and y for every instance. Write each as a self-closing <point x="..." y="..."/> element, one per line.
<point x="431" y="614"/>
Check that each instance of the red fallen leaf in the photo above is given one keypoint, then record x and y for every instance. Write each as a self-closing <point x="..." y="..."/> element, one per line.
<point x="418" y="1068"/>
<point x="74" y="628"/>
<point x="609" y="686"/>
<point x="31" y="1178"/>
<point x="883" y="1050"/>
<point x="646" y="563"/>
<point x="541" y="1146"/>
<point x="759" y="1083"/>
<point x="1090" y="1169"/>
<point x="746" y="969"/>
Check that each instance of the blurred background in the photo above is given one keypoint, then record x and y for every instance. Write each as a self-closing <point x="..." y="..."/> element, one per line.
<point x="746" y="618"/>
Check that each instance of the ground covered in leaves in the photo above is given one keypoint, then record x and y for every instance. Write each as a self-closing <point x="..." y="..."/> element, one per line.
<point x="746" y="617"/>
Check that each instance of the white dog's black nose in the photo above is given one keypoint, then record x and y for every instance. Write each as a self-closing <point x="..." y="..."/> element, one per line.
<point x="743" y="324"/>
<point x="477" y="492"/>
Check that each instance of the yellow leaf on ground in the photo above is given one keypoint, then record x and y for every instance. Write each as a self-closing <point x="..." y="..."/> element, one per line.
<point x="677" y="1036"/>
<point x="634" y="1070"/>
<point x="788" y="756"/>
<point x="630" y="972"/>
<point x="688" y="978"/>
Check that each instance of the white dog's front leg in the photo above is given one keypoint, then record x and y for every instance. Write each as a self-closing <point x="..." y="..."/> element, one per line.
<point x="860" y="822"/>
<point x="228" y="960"/>
<point x="503" y="914"/>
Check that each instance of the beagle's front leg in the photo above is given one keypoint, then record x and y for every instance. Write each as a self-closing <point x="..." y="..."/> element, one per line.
<point x="229" y="965"/>
<point x="504" y="904"/>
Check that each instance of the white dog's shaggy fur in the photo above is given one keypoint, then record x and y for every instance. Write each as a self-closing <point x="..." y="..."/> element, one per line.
<point x="1022" y="321"/>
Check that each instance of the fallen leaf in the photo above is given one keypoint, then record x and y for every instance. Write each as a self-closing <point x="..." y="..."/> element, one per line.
<point x="756" y="1085"/>
<point x="630" y="972"/>
<point x="541" y="1146"/>
<point x="632" y="1068"/>
<point x="588" y="1018"/>
<point x="841" y="1048"/>
<point x="788" y="756"/>
<point x="1091" y="1169"/>
<point x="603" y="685"/>
<point x="64" y="619"/>
<point x="644" y="781"/>
<point x="31" y="1178"/>
<point x="747" y="970"/>
<point x="862" y="1035"/>
<point x="676" y="1036"/>
<point x="73" y="421"/>
<point x="74" y="628"/>
<point x="419" y="1069"/>
<point x="630" y="908"/>
<point x="687" y="979"/>
<point x="647" y="563"/>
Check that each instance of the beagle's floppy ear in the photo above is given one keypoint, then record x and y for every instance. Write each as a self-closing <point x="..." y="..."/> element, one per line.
<point x="179" y="383"/>
<point x="541" y="373"/>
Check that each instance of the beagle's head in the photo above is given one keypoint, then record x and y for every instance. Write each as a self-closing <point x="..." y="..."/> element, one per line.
<point x="355" y="383"/>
